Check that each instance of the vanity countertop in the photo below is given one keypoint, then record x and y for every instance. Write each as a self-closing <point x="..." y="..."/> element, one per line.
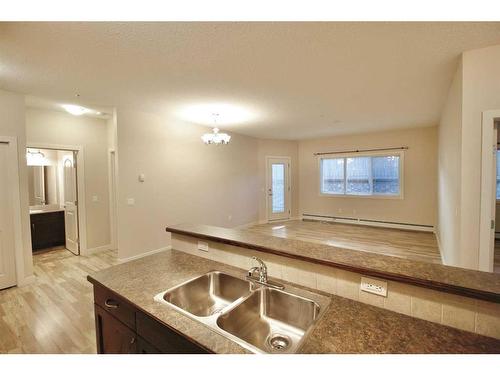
<point x="346" y="326"/>
<point x="45" y="211"/>
<point x="460" y="281"/>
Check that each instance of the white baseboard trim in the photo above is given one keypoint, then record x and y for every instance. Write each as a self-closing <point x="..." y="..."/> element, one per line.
<point x="95" y="250"/>
<point x="124" y="260"/>
<point x="372" y="223"/>
<point x="248" y="225"/>
<point x="26" y="281"/>
<point x="280" y="220"/>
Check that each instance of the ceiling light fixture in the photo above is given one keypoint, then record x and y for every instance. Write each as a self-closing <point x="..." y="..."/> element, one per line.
<point x="76" y="110"/>
<point x="215" y="138"/>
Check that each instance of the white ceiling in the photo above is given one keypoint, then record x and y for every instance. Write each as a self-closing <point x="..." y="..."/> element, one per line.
<point x="297" y="80"/>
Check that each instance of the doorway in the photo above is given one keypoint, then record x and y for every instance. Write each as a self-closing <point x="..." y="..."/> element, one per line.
<point x="278" y="188"/>
<point x="489" y="245"/>
<point x="53" y="187"/>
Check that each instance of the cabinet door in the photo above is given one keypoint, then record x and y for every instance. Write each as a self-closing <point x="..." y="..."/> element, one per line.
<point x="113" y="337"/>
<point x="144" y="347"/>
<point x="163" y="338"/>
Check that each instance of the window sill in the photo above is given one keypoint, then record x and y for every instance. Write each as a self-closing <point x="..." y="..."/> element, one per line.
<point x="396" y="197"/>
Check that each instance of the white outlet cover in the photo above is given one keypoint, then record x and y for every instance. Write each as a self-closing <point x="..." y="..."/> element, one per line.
<point x="130" y="201"/>
<point x="202" y="246"/>
<point x="374" y="286"/>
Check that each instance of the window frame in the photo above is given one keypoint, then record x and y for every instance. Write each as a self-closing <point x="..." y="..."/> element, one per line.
<point x="401" y="155"/>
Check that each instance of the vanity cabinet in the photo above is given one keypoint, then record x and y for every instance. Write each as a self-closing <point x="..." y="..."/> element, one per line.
<point x="47" y="230"/>
<point x="121" y="328"/>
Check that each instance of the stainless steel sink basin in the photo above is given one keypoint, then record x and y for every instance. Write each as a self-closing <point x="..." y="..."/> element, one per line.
<point x="208" y="294"/>
<point x="271" y="320"/>
<point x="259" y="318"/>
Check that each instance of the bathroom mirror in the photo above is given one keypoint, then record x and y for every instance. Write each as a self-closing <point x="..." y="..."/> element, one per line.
<point x="42" y="182"/>
<point x="42" y="178"/>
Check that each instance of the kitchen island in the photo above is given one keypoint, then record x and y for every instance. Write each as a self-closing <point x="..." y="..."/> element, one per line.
<point x="128" y="320"/>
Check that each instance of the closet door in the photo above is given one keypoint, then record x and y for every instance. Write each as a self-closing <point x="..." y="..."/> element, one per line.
<point x="7" y="250"/>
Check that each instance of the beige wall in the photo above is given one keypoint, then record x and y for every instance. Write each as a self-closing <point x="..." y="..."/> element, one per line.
<point x="420" y="163"/>
<point x="12" y="122"/>
<point x="185" y="180"/>
<point x="270" y="147"/>
<point x="58" y="128"/>
<point x="449" y="169"/>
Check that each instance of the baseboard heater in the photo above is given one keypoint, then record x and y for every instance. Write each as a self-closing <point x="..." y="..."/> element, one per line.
<point x="369" y="222"/>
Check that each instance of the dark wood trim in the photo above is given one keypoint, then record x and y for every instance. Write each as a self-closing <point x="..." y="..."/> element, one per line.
<point x="190" y="339"/>
<point x="429" y="284"/>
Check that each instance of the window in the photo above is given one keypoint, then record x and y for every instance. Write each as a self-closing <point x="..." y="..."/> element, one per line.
<point x="374" y="175"/>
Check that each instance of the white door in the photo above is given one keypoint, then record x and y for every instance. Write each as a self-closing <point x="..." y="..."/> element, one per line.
<point x="278" y="188"/>
<point x="71" y="203"/>
<point x="7" y="250"/>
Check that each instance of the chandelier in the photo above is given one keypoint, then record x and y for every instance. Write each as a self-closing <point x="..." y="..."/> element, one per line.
<point x="215" y="138"/>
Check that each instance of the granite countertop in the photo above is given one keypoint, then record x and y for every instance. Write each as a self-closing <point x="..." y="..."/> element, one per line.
<point x="460" y="281"/>
<point x="346" y="326"/>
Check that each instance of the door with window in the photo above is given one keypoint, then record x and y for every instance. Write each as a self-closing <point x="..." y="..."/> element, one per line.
<point x="278" y="188"/>
<point x="71" y="203"/>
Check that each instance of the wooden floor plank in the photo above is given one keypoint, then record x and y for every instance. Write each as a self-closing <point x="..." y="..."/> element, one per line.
<point x="55" y="313"/>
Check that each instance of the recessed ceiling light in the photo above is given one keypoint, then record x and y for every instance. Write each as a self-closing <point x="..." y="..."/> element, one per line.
<point x="75" y="110"/>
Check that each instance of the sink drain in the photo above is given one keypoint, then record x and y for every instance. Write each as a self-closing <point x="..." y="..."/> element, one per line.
<point x="279" y="342"/>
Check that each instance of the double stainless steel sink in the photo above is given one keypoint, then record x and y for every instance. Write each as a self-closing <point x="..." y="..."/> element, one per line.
<point x="259" y="318"/>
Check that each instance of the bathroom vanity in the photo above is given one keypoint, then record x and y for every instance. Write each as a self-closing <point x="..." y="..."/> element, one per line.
<point x="47" y="229"/>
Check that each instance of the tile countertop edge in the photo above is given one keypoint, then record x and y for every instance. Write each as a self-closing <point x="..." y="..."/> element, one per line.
<point x="434" y="278"/>
<point x="370" y="329"/>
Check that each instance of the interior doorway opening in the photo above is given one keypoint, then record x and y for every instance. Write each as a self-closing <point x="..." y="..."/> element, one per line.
<point x="489" y="237"/>
<point x="54" y="199"/>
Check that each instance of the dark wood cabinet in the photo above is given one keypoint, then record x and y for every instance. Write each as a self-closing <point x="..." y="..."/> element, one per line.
<point x="113" y="337"/>
<point x="121" y="328"/>
<point x="47" y="230"/>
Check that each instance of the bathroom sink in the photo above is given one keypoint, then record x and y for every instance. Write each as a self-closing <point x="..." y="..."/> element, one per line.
<point x="271" y="320"/>
<point x="207" y="294"/>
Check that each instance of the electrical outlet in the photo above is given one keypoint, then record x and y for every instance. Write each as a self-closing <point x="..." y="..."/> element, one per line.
<point x="202" y="246"/>
<point x="374" y="286"/>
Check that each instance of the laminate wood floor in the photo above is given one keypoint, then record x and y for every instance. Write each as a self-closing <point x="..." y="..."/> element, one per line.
<point x="421" y="246"/>
<point x="55" y="313"/>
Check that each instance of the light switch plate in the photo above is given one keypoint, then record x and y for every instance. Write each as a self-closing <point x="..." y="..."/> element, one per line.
<point x="374" y="286"/>
<point x="130" y="201"/>
<point x="202" y="246"/>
